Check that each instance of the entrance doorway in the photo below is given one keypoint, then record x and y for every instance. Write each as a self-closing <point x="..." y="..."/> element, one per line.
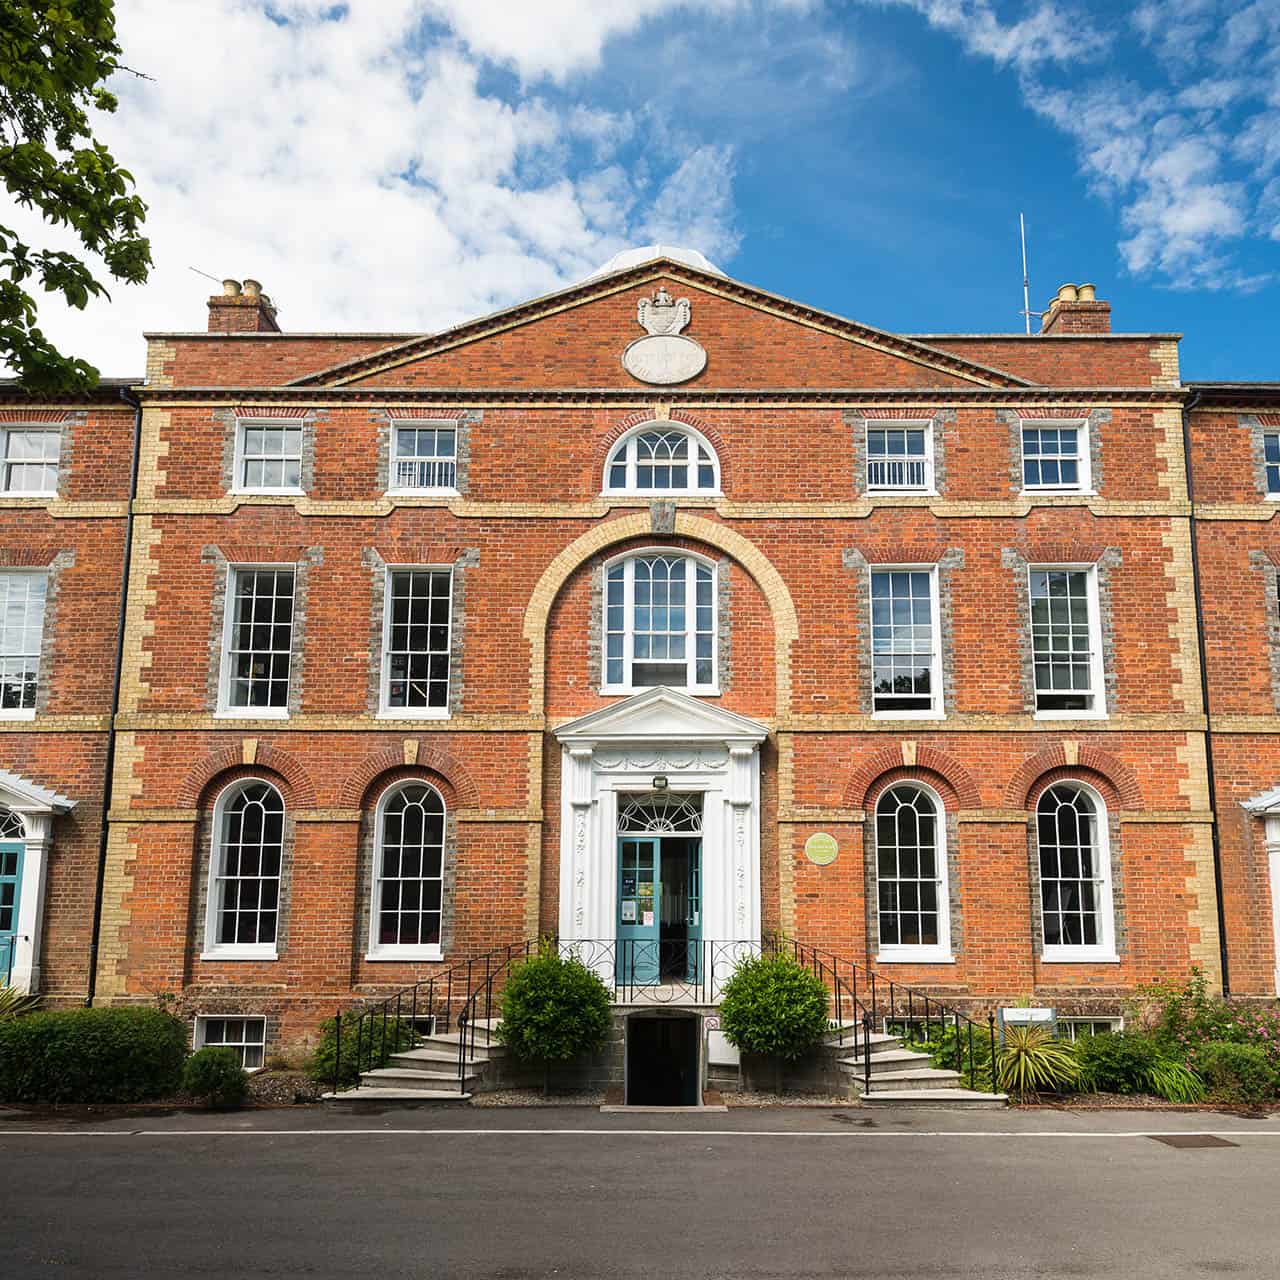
<point x="662" y="1062"/>
<point x="659" y="928"/>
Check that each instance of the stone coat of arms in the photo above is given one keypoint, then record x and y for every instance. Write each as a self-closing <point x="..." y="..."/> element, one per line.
<point x="664" y="356"/>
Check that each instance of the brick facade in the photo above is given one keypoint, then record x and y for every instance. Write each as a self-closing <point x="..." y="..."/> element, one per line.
<point x="539" y="396"/>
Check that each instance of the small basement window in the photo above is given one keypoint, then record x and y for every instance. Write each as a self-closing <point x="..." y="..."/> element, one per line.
<point x="1077" y="1028"/>
<point x="247" y="1036"/>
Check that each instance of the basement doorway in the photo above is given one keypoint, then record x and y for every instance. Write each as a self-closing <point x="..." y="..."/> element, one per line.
<point x="662" y="1061"/>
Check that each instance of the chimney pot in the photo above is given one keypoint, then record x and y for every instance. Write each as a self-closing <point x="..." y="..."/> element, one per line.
<point x="252" y="287"/>
<point x="231" y="288"/>
<point x="1068" y="293"/>
<point x="1088" y="293"/>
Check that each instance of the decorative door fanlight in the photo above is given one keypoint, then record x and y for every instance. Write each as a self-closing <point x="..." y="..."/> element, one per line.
<point x="659" y="812"/>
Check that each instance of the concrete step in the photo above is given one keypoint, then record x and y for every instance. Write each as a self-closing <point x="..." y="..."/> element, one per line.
<point x="407" y="1078"/>
<point x="394" y="1097"/>
<point x="935" y="1099"/>
<point x="915" y="1078"/>
<point x="879" y="1042"/>
<point x="483" y="1042"/>
<point x="894" y="1060"/>
<point x="434" y="1050"/>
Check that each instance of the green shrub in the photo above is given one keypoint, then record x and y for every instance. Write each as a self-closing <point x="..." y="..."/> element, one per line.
<point x="553" y="1008"/>
<point x="91" y="1055"/>
<point x="1174" y="1081"/>
<point x="1115" y="1062"/>
<point x="966" y="1050"/>
<point x="375" y="1039"/>
<point x="1032" y="1061"/>
<point x="1237" y="1072"/>
<point x="215" y="1076"/>
<point x="774" y="1006"/>
<point x="13" y="1003"/>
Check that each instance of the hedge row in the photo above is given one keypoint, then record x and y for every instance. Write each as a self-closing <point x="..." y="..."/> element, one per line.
<point x="91" y="1055"/>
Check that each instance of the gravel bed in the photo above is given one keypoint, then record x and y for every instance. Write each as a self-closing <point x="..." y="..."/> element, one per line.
<point x="283" y="1088"/>
<point x="536" y="1098"/>
<point x="748" y="1099"/>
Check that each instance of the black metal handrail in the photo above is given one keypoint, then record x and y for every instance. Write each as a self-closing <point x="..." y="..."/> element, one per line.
<point x="880" y="1000"/>
<point x="430" y="999"/>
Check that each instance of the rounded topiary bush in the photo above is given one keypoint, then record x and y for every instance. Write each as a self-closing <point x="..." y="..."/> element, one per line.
<point x="215" y="1076"/>
<point x="1236" y="1072"/>
<point x="553" y="1009"/>
<point x="774" y="1007"/>
<point x="1116" y="1062"/>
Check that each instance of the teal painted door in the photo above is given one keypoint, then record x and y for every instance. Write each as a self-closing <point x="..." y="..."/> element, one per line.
<point x="693" y="909"/>
<point x="639" y="898"/>
<point x="10" y="883"/>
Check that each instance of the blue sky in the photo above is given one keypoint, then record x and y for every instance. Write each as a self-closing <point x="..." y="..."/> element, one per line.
<point x="405" y="164"/>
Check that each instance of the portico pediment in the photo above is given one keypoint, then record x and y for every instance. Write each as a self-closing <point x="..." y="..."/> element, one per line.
<point x="22" y="796"/>
<point x="1266" y="803"/>
<point x="662" y="715"/>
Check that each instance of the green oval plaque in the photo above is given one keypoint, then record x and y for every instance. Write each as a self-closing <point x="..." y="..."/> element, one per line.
<point x="821" y="849"/>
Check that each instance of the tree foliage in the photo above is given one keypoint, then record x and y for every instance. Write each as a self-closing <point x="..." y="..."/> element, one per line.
<point x="55" y="57"/>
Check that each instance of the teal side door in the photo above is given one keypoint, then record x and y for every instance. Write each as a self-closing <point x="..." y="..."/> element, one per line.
<point x="693" y="914"/>
<point x="10" y="882"/>
<point x="639" y="899"/>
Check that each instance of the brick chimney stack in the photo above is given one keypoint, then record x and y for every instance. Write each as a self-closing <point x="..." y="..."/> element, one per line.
<point x="1076" y="309"/>
<point x="242" y="308"/>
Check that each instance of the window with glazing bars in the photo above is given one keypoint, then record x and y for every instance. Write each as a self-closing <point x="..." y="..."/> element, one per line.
<point x="660" y="626"/>
<point x="1051" y="458"/>
<point x="246" y="1036"/>
<point x="1071" y="875"/>
<point x="260" y="637"/>
<point x="416" y="631"/>
<point x="1271" y="459"/>
<point x="411" y="868"/>
<point x="903" y="640"/>
<point x="22" y="604"/>
<point x="898" y="458"/>
<point x="249" y="856"/>
<point x="270" y="457"/>
<point x="31" y="460"/>
<point x="907" y="875"/>
<point x="425" y="458"/>
<point x="1063" y="640"/>
<point x="662" y="461"/>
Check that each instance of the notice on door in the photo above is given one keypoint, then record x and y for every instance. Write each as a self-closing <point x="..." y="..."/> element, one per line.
<point x="629" y="911"/>
<point x="648" y="919"/>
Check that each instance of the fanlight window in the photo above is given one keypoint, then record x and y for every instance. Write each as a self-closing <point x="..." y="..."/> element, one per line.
<point x="662" y="461"/>
<point x="1075" y="889"/>
<point x="659" y="812"/>
<point x="11" y="825"/>
<point x="408" y="898"/>
<point x="911" y="873"/>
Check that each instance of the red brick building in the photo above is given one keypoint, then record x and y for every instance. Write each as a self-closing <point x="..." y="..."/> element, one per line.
<point x="663" y="608"/>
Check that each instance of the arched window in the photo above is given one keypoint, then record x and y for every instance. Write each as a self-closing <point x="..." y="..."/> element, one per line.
<point x="911" y="875"/>
<point x="660" y="458"/>
<point x="1075" y="874"/>
<point x="244" y="872"/>
<point x="408" y="880"/>
<point x="660" y="623"/>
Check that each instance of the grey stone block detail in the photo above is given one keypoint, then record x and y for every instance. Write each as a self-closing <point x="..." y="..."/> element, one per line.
<point x="856" y="562"/>
<point x="1257" y="449"/>
<point x="230" y="423"/>
<point x="1117" y="883"/>
<point x="204" y="838"/>
<point x="217" y="622"/>
<point x="949" y="563"/>
<point x="373" y="561"/>
<point x="1098" y="418"/>
<point x="662" y="516"/>
<point x="1110" y="559"/>
<point x="365" y="879"/>
<point x="857" y="423"/>
<point x="461" y="423"/>
<point x="297" y="648"/>
<point x="1094" y="423"/>
<point x="72" y="425"/>
<point x="1262" y="563"/>
<point x="53" y="580"/>
<point x="871" y="872"/>
<point x="942" y="420"/>
<point x="1016" y="563"/>
<point x="595" y="627"/>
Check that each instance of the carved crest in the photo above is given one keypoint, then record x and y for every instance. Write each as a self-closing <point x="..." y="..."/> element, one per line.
<point x="662" y="314"/>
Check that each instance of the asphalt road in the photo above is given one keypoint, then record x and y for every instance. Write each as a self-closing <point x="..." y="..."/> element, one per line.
<point x="571" y="1193"/>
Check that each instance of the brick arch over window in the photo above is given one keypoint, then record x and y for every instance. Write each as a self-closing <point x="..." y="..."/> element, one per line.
<point x="605" y="444"/>
<point x="1119" y="783"/>
<point x="952" y="781"/>
<point x="296" y="787"/>
<point x="708" y="532"/>
<point x="370" y="776"/>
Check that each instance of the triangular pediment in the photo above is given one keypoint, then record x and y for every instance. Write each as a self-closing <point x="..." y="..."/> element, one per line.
<point x="22" y="796"/>
<point x="1267" y="802"/>
<point x="662" y="715"/>
<point x="575" y="337"/>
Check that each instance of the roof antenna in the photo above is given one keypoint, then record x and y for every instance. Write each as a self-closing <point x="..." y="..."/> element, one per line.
<point x="1027" y="313"/>
<point x="206" y="275"/>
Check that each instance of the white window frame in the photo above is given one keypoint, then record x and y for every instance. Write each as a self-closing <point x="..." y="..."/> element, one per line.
<point x="400" y="950"/>
<point x="1077" y="1020"/>
<point x="1104" y="950"/>
<point x="421" y="424"/>
<point x="18" y="428"/>
<point x="199" y="1041"/>
<point x="213" y="949"/>
<point x="626" y="444"/>
<point x="1273" y="495"/>
<point x="937" y="711"/>
<point x="919" y="953"/>
<point x="281" y="424"/>
<point x="1083" y="458"/>
<point x="1097" y="673"/>
<point x="385" y="710"/>
<point x="628" y="604"/>
<point x="29" y="713"/>
<point x="928" y="488"/>
<point x="225" y="709"/>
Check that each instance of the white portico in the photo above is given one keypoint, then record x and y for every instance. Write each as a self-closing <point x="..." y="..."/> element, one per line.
<point x="661" y="743"/>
